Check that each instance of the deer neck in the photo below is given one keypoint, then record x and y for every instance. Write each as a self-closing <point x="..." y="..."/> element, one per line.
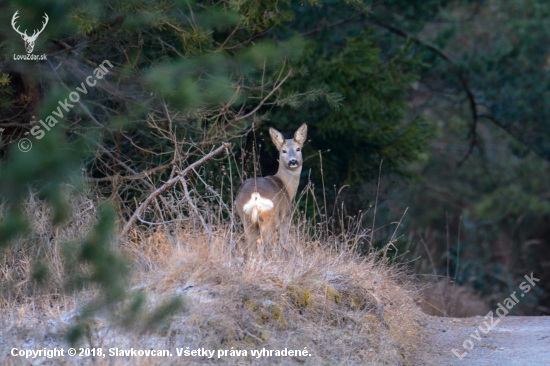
<point x="290" y="178"/>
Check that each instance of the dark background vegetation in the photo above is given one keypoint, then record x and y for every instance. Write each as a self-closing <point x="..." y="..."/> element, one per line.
<point x="450" y="96"/>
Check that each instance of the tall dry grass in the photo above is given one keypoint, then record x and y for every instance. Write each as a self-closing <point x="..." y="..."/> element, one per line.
<point x="310" y="289"/>
<point x="344" y="307"/>
<point x="32" y="269"/>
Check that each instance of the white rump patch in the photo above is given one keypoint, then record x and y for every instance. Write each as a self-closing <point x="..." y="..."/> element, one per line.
<point x="255" y="205"/>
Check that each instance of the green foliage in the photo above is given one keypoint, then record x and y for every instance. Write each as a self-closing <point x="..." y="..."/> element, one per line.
<point x="135" y="309"/>
<point x="13" y="224"/>
<point x="360" y="117"/>
<point x="108" y="270"/>
<point x="490" y="212"/>
<point x="163" y="312"/>
<point x="6" y="92"/>
<point x="206" y="63"/>
<point x="499" y="191"/>
<point x="46" y="167"/>
<point x="95" y="263"/>
<point x="41" y="272"/>
<point x="512" y="74"/>
<point x="178" y="66"/>
<point x="186" y="73"/>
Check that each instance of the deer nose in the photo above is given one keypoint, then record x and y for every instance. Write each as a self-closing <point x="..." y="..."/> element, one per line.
<point x="293" y="162"/>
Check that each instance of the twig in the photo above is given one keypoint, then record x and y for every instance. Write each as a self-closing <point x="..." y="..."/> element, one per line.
<point x="138" y="176"/>
<point x="376" y="204"/>
<point x="417" y="41"/>
<point x="277" y="86"/>
<point x="392" y="239"/>
<point x="541" y="152"/>
<point x="84" y="108"/>
<point x="209" y="188"/>
<point x="169" y="184"/>
<point x="190" y="202"/>
<point x="333" y="25"/>
<point x="229" y="37"/>
<point x="470" y="95"/>
<point x="15" y="124"/>
<point x="324" y="193"/>
<point x="457" y="262"/>
<point x="433" y="268"/>
<point x="115" y="179"/>
<point x="106" y="151"/>
<point x="72" y="51"/>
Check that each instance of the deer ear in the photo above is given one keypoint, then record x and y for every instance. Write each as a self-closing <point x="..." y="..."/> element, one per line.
<point x="301" y="134"/>
<point x="277" y="138"/>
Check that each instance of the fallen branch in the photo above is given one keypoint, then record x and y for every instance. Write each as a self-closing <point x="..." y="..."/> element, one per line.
<point x="169" y="184"/>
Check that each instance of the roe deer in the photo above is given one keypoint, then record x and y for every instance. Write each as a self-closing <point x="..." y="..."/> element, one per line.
<point x="264" y="204"/>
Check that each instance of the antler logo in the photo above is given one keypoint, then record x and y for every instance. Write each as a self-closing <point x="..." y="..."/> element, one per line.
<point x="29" y="40"/>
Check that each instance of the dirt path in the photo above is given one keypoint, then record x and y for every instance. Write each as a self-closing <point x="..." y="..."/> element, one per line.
<point x="514" y="341"/>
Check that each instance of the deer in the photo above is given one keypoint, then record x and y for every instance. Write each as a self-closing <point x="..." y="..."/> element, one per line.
<point x="264" y="204"/>
<point x="29" y="40"/>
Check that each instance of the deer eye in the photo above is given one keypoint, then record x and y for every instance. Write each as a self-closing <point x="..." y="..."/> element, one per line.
<point x="284" y="151"/>
<point x="298" y="149"/>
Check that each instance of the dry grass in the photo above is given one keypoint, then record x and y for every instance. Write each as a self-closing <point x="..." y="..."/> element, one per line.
<point x="345" y="308"/>
<point x="444" y="298"/>
<point x="44" y="244"/>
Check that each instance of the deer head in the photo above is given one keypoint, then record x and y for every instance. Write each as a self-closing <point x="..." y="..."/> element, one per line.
<point x="290" y="151"/>
<point x="29" y="40"/>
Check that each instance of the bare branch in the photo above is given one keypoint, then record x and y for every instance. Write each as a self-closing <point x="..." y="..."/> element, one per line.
<point x="168" y="185"/>
<point x="138" y="176"/>
<point x="86" y="110"/>
<point x="275" y="88"/>
<point x="333" y="25"/>
<point x="191" y="204"/>
<point x="470" y="95"/>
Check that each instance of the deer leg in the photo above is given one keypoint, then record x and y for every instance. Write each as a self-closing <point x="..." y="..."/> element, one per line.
<point x="284" y="232"/>
<point x="251" y="235"/>
<point x="268" y="231"/>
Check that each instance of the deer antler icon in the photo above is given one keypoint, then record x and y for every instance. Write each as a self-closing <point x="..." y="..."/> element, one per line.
<point x="29" y="40"/>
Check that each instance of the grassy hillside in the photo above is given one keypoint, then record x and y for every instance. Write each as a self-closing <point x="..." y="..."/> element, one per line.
<point x="313" y="293"/>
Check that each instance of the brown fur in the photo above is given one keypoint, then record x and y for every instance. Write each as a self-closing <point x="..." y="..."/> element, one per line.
<point x="280" y="189"/>
<point x="273" y="189"/>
